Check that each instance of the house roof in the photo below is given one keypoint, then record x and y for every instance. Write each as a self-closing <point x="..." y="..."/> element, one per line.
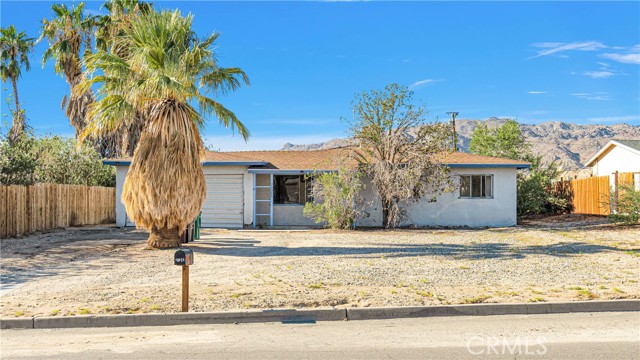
<point x="310" y="160"/>
<point x="287" y="159"/>
<point x="631" y="145"/>
<point x="634" y="144"/>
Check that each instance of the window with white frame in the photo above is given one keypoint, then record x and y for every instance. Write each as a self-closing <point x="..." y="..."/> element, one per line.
<point x="476" y="186"/>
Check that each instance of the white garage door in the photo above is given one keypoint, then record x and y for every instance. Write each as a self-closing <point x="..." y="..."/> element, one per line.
<point x="224" y="203"/>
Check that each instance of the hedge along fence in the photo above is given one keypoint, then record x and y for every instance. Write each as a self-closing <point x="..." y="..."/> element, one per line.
<point x="592" y="195"/>
<point x="26" y="209"/>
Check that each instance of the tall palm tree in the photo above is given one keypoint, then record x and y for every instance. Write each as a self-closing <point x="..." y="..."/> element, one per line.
<point x="122" y="14"/>
<point x="14" y="53"/>
<point x="168" y="75"/>
<point x="70" y="36"/>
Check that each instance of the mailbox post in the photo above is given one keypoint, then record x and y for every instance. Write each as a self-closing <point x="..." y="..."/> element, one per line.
<point x="184" y="258"/>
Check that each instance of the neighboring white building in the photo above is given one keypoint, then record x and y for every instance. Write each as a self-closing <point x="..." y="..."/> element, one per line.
<point x="250" y="188"/>
<point x="617" y="155"/>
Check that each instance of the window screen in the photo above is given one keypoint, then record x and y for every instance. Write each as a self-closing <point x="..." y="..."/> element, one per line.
<point x="290" y="189"/>
<point x="465" y="186"/>
<point x="476" y="186"/>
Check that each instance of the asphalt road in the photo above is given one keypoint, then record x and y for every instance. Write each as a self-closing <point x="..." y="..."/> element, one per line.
<point x="557" y="336"/>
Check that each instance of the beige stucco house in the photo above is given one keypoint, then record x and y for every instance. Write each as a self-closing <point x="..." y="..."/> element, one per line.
<point x="251" y="188"/>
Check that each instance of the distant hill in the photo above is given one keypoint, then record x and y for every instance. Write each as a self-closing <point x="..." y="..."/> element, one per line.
<point x="571" y="145"/>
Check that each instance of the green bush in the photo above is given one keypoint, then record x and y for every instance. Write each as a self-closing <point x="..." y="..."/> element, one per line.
<point x="336" y="198"/>
<point x="51" y="159"/>
<point x="627" y="205"/>
<point x="537" y="194"/>
<point x="18" y="160"/>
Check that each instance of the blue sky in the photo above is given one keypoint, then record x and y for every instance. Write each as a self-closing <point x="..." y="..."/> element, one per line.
<point x="568" y="61"/>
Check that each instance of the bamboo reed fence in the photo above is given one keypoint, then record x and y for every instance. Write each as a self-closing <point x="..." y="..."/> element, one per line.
<point x="592" y="195"/>
<point x="27" y="209"/>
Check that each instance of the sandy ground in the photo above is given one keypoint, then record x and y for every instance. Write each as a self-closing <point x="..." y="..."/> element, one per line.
<point x="102" y="271"/>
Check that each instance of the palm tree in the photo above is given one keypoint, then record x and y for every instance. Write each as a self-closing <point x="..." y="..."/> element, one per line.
<point x="70" y="36"/>
<point x="167" y="75"/>
<point x="122" y="14"/>
<point x="14" y="53"/>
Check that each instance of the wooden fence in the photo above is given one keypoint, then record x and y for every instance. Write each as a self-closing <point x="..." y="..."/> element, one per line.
<point x="26" y="209"/>
<point x="592" y="195"/>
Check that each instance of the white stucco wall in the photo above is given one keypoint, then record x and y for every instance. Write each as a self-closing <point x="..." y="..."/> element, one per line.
<point x="617" y="159"/>
<point x="448" y="210"/>
<point x="290" y="215"/>
<point x="121" y="173"/>
<point x="121" y="212"/>
<point x="451" y="210"/>
<point x="372" y="206"/>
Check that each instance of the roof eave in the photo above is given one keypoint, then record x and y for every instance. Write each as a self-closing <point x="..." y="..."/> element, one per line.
<point x="517" y="166"/>
<point x="116" y="162"/>
<point x="288" y="171"/>
<point x="204" y="163"/>
<point x="604" y="149"/>
<point x="234" y="163"/>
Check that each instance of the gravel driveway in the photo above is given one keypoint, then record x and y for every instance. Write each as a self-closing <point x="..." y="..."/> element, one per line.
<point x="106" y="271"/>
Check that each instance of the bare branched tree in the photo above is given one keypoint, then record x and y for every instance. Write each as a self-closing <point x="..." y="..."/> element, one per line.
<point x="400" y="152"/>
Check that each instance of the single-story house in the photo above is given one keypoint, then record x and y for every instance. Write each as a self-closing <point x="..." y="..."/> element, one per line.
<point x="616" y="155"/>
<point x="252" y="188"/>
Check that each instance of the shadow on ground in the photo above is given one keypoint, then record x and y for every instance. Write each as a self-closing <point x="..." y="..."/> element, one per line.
<point x="61" y="252"/>
<point x="493" y="250"/>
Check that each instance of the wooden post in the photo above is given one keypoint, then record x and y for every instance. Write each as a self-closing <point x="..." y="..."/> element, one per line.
<point x="615" y="194"/>
<point x="185" y="289"/>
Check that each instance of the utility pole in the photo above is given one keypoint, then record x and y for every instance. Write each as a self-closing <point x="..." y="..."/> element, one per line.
<point x="453" y="127"/>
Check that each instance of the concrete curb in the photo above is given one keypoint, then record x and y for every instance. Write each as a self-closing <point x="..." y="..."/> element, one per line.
<point x="19" y="323"/>
<point x="164" y="319"/>
<point x="492" y="309"/>
<point x="313" y="315"/>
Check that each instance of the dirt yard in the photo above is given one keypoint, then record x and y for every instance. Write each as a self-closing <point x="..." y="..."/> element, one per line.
<point x="106" y="271"/>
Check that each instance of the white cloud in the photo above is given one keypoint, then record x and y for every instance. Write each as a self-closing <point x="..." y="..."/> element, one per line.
<point x="537" y="92"/>
<point x="603" y="64"/>
<point x="626" y="55"/>
<point x="548" y="48"/>
<point x="630" y="58"/>
<point x="599" y="74"/>
<point x="607" y="119"/>
<point x="599" y="96"/>
<point x="421" y="83"/>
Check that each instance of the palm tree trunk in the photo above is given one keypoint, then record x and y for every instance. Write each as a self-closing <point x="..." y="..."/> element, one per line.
<point x="163" y="238"/>
<point x="18" y="119"/>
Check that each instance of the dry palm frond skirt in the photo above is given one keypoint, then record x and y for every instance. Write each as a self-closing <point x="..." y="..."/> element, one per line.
<point x="165" y="187"/>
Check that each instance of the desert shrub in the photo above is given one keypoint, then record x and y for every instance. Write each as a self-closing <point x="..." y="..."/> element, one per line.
<point x="52" y="159"/>
<point x="336" y="200"/>
<point x="627" y="205"/>
<point x="537" y="193"/>
<point x="18" y="160"/>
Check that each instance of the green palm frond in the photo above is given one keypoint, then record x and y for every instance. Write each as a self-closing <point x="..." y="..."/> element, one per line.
<point x="164" y="59"/>
<point x="15" y="48"/>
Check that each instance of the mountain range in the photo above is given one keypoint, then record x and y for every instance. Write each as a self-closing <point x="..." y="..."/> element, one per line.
<point x="570" y="145"/>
